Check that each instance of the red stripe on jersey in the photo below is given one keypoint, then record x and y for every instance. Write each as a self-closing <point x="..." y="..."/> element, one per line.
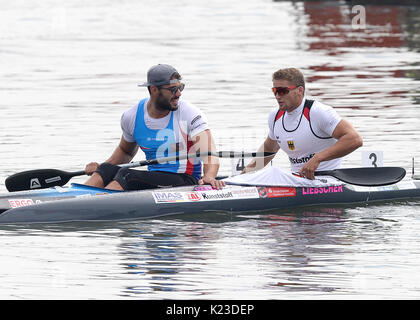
<point x="190" y="162"/>
<point x="279" y="115"/>
<point x="306" y="112"/>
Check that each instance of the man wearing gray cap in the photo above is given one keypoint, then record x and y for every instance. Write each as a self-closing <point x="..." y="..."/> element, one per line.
<point x="162" y="125"/>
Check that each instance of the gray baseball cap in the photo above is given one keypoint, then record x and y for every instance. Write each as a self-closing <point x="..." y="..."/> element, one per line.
<point x="160" y="75"/>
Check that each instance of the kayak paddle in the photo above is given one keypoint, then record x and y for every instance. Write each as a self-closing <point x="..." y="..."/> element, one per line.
<point x="369" y="176"/>
<point x="39" y="179"/>
<point x="45" y="178"/>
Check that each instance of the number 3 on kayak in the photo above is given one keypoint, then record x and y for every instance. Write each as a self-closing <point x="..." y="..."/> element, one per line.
<point x="372" y="159"/>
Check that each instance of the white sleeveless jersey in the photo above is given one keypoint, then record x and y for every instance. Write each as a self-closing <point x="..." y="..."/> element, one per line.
<point x="305" y="131"/>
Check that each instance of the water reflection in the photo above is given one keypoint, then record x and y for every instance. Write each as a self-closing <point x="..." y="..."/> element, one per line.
<point x="310" y="216"/>
<point x="160" y="257"/>
<point x="309" y="251"/>
<point x="333" y="29"/>
<point x="330" y="29"/>
<point x="177" y="257"/>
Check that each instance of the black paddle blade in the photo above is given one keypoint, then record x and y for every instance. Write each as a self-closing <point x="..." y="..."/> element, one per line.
<point x="39" y="179"/>
<point x="380" y="176"/>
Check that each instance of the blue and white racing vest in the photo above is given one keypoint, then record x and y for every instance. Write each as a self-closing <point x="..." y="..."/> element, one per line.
<point x="170" y="141"/>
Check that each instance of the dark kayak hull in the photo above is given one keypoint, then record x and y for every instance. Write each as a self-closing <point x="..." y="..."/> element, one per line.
<point x="98" y="206"/>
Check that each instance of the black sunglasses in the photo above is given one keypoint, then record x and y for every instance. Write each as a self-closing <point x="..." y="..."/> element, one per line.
<point x="174" y="90"/>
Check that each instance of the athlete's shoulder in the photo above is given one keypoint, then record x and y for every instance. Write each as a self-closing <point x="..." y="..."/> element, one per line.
<point x="320" y="106"/>
<point x="185" y="107"/>
<point x="195" y="120"/>
<point x="272" y="115"/>
<point x="128" y="119"/>
<point x="190" y="112"/>
<point x="132" y="111"/>
<point x="273" y="112"/>
<point x="324" y="118"/>
<point x="320" y="109"/>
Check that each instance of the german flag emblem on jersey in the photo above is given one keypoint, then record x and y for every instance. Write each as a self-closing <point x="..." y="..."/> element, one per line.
<point x="291" y="144"/>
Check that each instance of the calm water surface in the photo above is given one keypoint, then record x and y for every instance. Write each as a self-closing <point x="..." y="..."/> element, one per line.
<point x="70" y="70"/>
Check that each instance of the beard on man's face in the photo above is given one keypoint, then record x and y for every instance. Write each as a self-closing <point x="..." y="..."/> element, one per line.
<point x="164" y="103"/>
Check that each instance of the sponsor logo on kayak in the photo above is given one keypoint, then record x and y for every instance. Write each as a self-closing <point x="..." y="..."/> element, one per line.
<point x="332" y="189"/>
<point x="246" y="193"/>
<point x="204" y="194"/>
<point x="262" y="192"/>
<point x="231" y="193"/>
<point x="193" y="196"/>
<point x="276" y="192"/>
<point x="168" y="197"/>
<point x="203" y="188"/>
<point x="216" y="195"/>
<point x="16" y="203"/>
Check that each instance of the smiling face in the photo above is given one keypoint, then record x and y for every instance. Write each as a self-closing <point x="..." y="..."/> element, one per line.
<point x="165" y="98"/>
<point x="168" y="96"/>
<point x="288" y="101"/>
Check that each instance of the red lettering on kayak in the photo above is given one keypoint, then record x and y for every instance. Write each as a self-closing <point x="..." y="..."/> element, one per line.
<point x="193" y="196"/>
<point x="334" y="189"/>
<point x="16" y="203"/>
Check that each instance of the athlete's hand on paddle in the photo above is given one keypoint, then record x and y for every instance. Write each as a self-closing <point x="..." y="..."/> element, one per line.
<point x="91" y="168"/>
<point x="308" y="170"/>
<point x="217" y="184"/>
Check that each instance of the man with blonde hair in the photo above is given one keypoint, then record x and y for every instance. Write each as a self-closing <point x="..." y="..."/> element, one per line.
<point x="311" y="133"/>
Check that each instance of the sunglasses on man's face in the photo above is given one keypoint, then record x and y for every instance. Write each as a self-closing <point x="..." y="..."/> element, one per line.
<point x="174" y="90"/>
<point x="282" y="91"/>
